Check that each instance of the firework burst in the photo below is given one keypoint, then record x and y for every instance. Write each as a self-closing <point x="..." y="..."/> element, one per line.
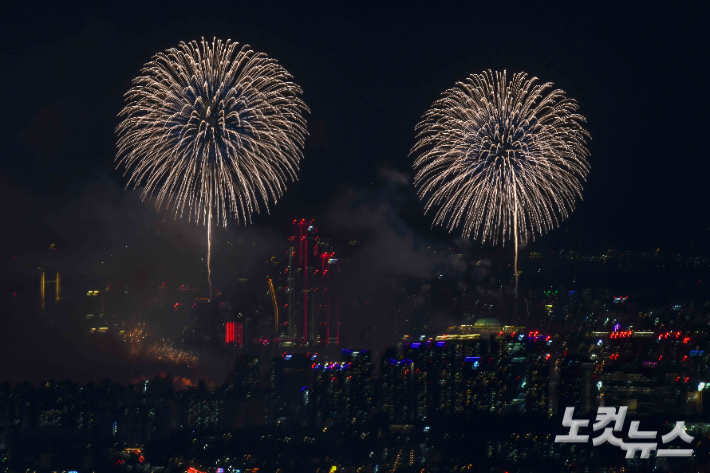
<point x="504" y="159"/>
<point x="215" y="129"/>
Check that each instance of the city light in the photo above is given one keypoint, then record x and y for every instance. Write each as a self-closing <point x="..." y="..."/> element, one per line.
<point x="344" y="332"/>
<point x="229" y="334"/>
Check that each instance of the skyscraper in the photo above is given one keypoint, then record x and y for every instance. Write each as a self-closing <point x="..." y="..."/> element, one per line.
<point x="310" y="283"/>
<point x="397" y="387"/>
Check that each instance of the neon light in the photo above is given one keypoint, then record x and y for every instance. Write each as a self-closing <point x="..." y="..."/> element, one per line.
<point x="397" y="363"/>
<point x="623" y="334"/>
<point x="332" y="366"/>
<point x="229" y="333"/>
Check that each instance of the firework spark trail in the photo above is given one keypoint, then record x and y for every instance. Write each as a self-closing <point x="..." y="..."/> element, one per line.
<point x="504" y="158"/>
<point x="212" y="127"/>
<point x="165" y="351"/>
<point x="209" y="251"/>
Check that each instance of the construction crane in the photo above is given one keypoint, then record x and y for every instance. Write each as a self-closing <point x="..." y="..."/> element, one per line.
<point x="276" y="307"/>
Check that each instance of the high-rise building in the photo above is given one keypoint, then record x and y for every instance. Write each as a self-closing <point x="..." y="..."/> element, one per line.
<point x="360" y="380"/>
<point x="662" y="374"/>
<point x="343" y="392"/>
<point x="251" y="385"/>
<point x="396" y="387"/>
<point x="445" y="373"/>
<point x="486" y="367"/>
<point x="291" y="382"/>
<point x="310" y="283"/>
<point x="577" y="383"/>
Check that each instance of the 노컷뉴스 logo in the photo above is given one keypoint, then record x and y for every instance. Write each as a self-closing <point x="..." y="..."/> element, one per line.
<point x="607" y="415"/>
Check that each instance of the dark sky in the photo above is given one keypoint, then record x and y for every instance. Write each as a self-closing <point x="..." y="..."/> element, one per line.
<point x="368" y="71"/>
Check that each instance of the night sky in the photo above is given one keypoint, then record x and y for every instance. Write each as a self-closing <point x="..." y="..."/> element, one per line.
<point x="368" y="71"/>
